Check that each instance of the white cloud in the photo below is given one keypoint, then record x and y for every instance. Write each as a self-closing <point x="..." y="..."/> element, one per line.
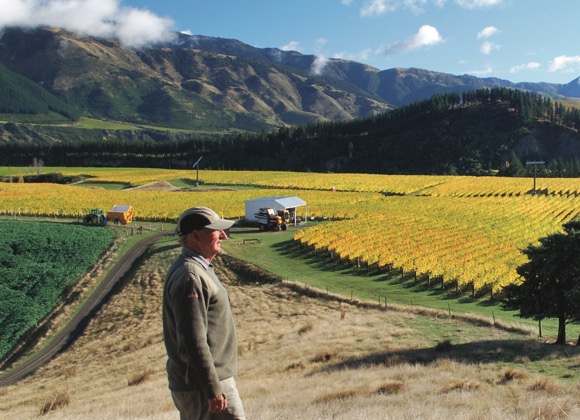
<point x="138" y="28"/>
<point x="346" y="2"/>
<point x="565" y="64"/>
<point x="376" y="7"/>
<point x="478" y="4"/>
<point x="487" y="47"/>
<point x="133" y="27"/>
<point x="418" y="6"/>
<point x="426" y="36"/>
<point x="487" y="32"/>
<point x="291" y="46"/>
<point x="319" y="64"/>
<point x="533" y="65"/>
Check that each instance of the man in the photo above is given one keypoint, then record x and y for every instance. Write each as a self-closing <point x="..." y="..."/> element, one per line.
<point x="198" y="326"/>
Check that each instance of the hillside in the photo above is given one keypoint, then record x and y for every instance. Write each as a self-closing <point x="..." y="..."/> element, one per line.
<point x="396" y="86"/>
<point x="265" y="109"/>
<point x="22" y="100"/>
<point x="303" y="357"/>
<point x="216" y="85"/>
<point x="175" y="86"/>
<point x="485" y="132"/>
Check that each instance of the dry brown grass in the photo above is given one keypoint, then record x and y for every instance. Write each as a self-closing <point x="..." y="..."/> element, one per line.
<point x="301" y="357"/>
<point x="514" y="374"/>
<point x="139" y="378"/>
<point x="60" y="400"/>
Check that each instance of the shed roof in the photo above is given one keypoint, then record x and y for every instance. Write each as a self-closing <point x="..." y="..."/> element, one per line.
<point x="286" y="202"/>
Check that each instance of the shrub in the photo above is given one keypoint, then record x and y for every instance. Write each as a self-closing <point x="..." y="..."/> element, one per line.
<point x="139" y="378"/>
<point x="62" y="399"/>
<point x="513" y="374"/>
<point x="545" y="384"/>
<point x="306" y="328"/>
<point x="390" y="388"/>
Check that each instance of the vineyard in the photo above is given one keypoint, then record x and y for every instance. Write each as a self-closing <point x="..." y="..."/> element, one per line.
<point x="38" y="262"/>
<point x="465" y="232"/>
<point x="464" y="242"/>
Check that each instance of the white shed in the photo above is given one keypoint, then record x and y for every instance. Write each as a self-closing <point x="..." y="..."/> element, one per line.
<point x="276" y="203"/>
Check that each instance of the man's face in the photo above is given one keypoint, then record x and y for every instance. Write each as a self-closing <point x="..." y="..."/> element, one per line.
<point x="207" y="242"/>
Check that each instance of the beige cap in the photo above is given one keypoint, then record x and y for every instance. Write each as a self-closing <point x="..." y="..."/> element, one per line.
<point x="200" y="217"/>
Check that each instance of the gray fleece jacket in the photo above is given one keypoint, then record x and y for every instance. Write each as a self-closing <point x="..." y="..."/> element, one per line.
<point x="198" y="327"/>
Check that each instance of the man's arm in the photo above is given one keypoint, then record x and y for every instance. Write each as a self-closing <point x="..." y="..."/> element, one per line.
<point x="190" y="305"/>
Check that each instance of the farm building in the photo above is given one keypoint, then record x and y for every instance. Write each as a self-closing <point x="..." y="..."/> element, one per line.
<point x="277" y="203"/>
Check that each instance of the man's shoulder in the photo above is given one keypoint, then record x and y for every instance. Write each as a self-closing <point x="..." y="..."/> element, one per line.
<point x="184" y="263"/>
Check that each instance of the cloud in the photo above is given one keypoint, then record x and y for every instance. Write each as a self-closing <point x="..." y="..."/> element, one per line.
<point x="133" y="27"/>
<point x="478" y="4"/>
<point x="291" y="46"/>
<point x="487" y="32"/>
<point x="487" y="47"/>
<point x="372" y="8"/>
<point x="426" y="36"/>
<point x="565" y="64"/>
<point x="533" y="65"/>
<point x="376" y="7"/>
<point x="318" y="65"/>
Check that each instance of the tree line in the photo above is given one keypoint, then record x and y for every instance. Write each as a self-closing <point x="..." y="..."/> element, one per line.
<point x="483" y="132"/>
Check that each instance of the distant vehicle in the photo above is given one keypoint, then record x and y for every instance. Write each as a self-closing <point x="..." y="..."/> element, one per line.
<point x="121" y="213"/>
<point x="95" y="217"/>
<point x="268" y="219"/>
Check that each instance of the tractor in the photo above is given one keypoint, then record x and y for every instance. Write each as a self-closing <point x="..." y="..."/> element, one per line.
<point x="95" y="217"/>
<point x="268" y="219"/>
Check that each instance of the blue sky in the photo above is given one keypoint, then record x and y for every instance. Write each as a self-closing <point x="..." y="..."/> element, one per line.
<point x="517" y="40"/>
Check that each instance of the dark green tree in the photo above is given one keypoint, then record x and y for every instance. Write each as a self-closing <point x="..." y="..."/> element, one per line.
<point x="551" y="280"/>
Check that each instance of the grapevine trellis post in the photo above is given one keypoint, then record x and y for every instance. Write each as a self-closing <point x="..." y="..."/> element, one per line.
<point x="535" y="163"/>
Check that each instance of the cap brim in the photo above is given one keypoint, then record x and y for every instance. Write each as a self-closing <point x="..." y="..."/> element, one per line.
<point x="221" y="224"/>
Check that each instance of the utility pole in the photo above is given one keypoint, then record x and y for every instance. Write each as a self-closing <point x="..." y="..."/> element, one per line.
<point x="196" y="165"/>
<point x="535" y="163"/>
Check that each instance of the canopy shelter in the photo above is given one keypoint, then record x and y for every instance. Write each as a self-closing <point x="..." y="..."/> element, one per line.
<point x="277" y="203"/>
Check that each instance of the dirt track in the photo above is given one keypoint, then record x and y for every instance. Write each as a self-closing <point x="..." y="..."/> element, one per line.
<point x="68" y="334"/>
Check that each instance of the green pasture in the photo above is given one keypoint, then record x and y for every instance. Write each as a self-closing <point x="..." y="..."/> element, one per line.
<point x="277" y="253"/>
<point x="105" y="185"/>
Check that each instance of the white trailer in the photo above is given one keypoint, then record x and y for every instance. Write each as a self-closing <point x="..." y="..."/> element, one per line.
<point x="277" y="203"/>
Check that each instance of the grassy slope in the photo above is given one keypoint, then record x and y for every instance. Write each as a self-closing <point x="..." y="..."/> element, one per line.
<point x="302" y="357"/>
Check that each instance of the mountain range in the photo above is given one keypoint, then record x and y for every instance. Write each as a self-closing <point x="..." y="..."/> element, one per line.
<point x="216" y="85"/>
